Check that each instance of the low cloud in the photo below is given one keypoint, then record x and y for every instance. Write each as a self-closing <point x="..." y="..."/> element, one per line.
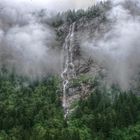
<point x="119" y="48"/>
<point x="25" y="44"/>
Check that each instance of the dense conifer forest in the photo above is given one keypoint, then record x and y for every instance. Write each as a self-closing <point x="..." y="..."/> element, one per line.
<point x="31" y="109"/>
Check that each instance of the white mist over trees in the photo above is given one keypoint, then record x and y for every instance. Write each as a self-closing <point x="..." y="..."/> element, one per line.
<point x="25" y="43"/>
<point x="56" y="5"/>
<point x="68" y="75"/>
<point x="119" y="48"/>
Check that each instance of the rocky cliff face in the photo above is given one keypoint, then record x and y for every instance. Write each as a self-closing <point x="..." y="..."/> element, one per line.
<point x="79" y="70"/>
<point x="98" y="26"/>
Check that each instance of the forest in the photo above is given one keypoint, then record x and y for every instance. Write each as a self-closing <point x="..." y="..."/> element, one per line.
<point x="31" y="109"/>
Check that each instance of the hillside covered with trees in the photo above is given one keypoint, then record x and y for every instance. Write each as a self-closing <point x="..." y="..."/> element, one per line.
<point x="33" y="111"/>
<point x="98" y="108"/>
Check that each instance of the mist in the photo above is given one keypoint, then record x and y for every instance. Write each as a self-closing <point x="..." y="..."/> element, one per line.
<point x="55" y="5"/>
<point x="25" y="44"/>
<point x="118" y="50"/>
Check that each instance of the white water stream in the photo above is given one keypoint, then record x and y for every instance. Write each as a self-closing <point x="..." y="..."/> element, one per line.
<point x="68" y="66"/>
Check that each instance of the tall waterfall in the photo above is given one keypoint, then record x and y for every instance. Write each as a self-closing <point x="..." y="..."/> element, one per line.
<point x="68" y="66"/>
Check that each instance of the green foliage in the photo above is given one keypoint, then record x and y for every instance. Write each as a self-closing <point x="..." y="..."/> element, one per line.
<point x="82" y="79"/>
<point x="104" y="111"/>
<point x="32" y="111"/>
<point x="71" y="16"/>
<point x="130" y="133"/>
<point x="29" y="109"/>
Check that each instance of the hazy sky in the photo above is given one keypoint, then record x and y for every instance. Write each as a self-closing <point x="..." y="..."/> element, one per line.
<point x="57" y="5"/>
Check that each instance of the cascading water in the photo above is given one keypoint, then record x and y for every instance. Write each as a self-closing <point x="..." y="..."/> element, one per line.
<point x="68" y="66"/>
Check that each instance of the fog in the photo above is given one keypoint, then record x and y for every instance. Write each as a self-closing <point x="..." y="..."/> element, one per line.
<point x="118" y="51"/>
<point x="55" y="5"/>
<point x="25" y="44"/>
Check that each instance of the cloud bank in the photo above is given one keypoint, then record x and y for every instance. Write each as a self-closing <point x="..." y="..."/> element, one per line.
<point x="55" y="5"/>
<point x="25" y="43"/>
<point x="119" y="49"/>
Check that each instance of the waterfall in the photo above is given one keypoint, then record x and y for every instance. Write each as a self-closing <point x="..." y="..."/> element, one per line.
<point x="68" y="66"/>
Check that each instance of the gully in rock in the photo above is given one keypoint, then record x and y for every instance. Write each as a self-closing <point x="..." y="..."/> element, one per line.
<point x="69" y="69"/>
